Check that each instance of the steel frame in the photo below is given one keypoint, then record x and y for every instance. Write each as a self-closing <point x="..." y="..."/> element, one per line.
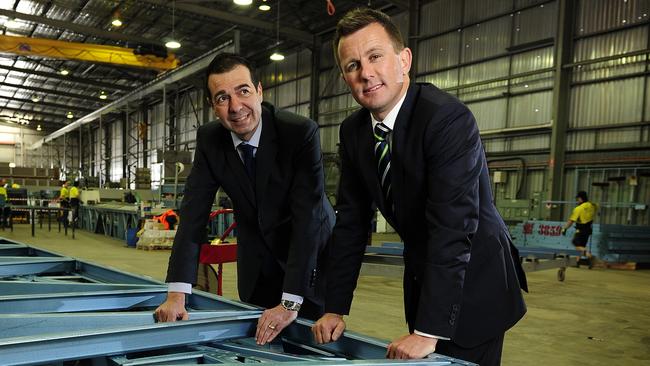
<point x="55" y="308"/>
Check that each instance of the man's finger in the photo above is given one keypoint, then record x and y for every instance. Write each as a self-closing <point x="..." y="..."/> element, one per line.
<point x="340" y="327"/>
<point x="316" y="331"/>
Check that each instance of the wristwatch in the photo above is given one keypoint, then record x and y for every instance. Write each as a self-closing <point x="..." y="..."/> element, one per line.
<point x="290" y="305"/>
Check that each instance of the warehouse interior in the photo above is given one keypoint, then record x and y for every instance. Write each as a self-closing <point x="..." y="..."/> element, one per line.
<point x="559" y="90"/>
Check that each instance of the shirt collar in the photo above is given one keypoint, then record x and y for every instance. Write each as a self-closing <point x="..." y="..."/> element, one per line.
<point x="389" y="121"/>
<point x="254" y="141"/>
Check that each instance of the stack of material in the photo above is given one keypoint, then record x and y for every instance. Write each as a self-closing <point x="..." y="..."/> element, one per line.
<point x="143" y="178"/>
<point x="153" y="236"/>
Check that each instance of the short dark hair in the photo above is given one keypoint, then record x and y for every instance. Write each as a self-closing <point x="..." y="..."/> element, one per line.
<point x="583" y="196"/>
<point x="359" y="18"/>
<point x="225" y="62"/>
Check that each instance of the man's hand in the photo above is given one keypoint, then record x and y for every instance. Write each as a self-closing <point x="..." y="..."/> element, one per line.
<point x="328" y="328"/>
<point x="172" y="309"/>
<point x="272" y="322"/>
<point x="411" y="346"/>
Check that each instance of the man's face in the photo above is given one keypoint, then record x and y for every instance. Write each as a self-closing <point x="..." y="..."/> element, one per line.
<point x="376" y="74"/>
<point x="236" y="101"/>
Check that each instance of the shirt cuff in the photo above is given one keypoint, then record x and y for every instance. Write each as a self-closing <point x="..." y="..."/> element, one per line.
<point x="431" y="336"/>
<point x="292" y="297"/>
<point x="179" y="287"/>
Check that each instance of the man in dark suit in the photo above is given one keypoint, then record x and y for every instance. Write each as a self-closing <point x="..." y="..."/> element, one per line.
<point x="415" y="152"/>
<point x="269" y="163"/>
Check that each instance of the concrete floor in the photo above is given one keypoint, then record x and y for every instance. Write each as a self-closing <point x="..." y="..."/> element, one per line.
<point x="595" y="317"/>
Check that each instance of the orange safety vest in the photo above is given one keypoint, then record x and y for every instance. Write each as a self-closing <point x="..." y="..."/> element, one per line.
<point x="163" y="218"/>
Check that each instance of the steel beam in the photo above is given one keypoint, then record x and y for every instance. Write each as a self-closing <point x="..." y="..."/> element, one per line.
<point x="84" y="344"/>
<point x="20" y="266"/>
<point x="69" y="78"/>
<point x="45" y="91"/>
<point x="74" y="107"/>
<point x="12" y="288"/>
<point x="24" y="325"/>
<point x="561" y="103"/>
<point x="82" y="301"/>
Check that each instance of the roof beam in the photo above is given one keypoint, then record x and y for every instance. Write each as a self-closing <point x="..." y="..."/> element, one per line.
<point x="82" y="29"/>
<point x="53" y="75"/>
<point x="228" y="17"/>
<point x="44" y="114"/>
<point x="48" y="104"/>
<point x="402" y="4"/>
<point x="45" y="91"/>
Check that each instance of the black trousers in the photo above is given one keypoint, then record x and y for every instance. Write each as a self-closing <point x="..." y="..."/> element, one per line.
<point x="486" y="354"/>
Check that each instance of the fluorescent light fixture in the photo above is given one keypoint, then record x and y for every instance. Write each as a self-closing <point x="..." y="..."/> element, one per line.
<point x="12" y="165"/>
<point x="264" y="7"/>
<point x="70" y="115"/>
<point x="35" y="98"/>
<point x="38" y="128"/>
<point x="116" y="22"/>
<point x="103" y="95"/>
<point x="12" y="24"/>
<point x="276" y="56"/>
<point x="242" y="2"/>
<point x="64" y="72"/>
<point x="173" y="44"/>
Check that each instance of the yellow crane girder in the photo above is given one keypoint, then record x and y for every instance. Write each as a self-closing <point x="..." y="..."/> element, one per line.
<point x="84" y="52"/>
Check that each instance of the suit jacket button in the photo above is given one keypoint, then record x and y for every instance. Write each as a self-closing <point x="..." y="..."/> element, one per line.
<point x="451" y="321"/>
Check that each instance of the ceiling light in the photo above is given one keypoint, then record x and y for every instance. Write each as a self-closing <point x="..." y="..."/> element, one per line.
<point x="38" y="128"/>
<point x="242" y="2"/>
<point x="64" y="72"/>
<point x="70" y="115"/>
<point x="276" y="56"/>
<point x="35" y="98"/>
<point x="264" y="7"/>
<point x="173" y="44"/>
<point x="103" y="95"/>
<point x="116" y="22"/>
<point x="12" y="165"/>
<point x="12" y="24"/>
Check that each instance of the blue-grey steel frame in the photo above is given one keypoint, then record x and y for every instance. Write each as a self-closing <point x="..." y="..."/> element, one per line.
<point x="55" y="308"/>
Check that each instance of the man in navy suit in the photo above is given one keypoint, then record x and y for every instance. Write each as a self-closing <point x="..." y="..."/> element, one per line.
<point x="415" y="152"/>
<point x="269" y="163"/>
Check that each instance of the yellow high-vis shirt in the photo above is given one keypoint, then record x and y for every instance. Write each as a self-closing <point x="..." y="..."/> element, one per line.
<point x="584" y="213"/>
<point x="64" y="193"/>
<point x="74" y="192"/>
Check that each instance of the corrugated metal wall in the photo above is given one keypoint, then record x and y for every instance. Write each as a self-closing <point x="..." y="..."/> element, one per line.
<point x="497" y="56"/>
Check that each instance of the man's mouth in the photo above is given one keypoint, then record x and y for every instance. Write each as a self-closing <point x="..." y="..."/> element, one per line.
<point x="239" y="118"/>
<point x="372" y="89"/>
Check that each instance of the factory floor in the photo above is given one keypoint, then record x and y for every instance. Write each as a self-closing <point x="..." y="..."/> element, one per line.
<point x="594" y="317"/>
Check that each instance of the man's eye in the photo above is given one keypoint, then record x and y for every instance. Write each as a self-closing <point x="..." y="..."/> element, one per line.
<point x="351" y="67"/>
<point x="374" y="57"/>
<point x="245" y="92"/>
<point x="221" y="99"/>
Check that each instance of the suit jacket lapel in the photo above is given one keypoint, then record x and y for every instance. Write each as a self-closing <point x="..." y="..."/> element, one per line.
<point x="236" y="166"/>
<point x="266" y="153"/>
<point x="399" y="144"/>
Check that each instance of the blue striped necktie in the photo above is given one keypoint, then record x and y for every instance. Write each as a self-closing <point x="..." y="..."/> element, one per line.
<point x="382" y="154"/>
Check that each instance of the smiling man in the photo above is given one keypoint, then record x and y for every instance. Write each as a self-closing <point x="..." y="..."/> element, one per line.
<point x="415" y="152"/>
<point x="269" y="163"/>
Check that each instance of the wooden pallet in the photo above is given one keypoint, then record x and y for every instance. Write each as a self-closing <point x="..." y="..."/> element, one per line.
<point x="616" y="265"/>
<point x="153" y="246"/>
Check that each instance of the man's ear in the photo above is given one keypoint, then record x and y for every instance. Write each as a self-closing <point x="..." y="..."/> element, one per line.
<point x="406" y="57"/>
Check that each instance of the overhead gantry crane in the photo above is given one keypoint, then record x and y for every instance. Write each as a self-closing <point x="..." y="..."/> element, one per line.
<point x="87" y="52"/>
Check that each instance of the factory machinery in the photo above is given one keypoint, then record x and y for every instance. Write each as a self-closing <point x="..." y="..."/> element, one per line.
<point x="55" y="310"/>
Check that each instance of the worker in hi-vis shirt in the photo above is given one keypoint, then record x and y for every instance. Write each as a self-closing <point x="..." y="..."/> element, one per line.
<point x="583" y="217"/>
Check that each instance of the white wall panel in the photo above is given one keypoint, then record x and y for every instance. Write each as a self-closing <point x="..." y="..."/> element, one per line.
<point x="598" y="15"/>
<point x="476" y="10"/>
<point x="490" y="115"/>
<point x="535" y="24"/>
<point x="607" y="103"/>
<point x="438" y="52"/>
<point x="439" y="16"/>
<point x="530" y="109"/>
<point x="486" y="39"/>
